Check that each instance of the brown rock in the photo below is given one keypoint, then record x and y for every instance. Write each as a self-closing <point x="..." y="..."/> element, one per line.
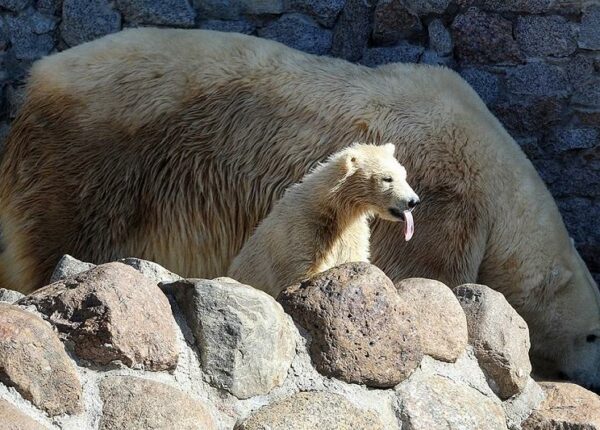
<point x="439" y="318"/>
<point x="567" y="407"/>
<point x="393" y="21"/>
<point x="139" y="404"/>
<point x="13" y="419"/>
<point x="362" y="332"/>
<point x="312" y="410"/>
<point x="112" y="312"/>
<point x="499" y="336"/>
<point x="34" y="361"/>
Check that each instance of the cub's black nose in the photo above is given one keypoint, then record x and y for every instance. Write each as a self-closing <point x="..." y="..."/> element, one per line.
<point x="413" y="202"/>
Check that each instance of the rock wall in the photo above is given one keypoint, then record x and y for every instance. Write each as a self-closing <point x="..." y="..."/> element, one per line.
<point x="536" y="63"/>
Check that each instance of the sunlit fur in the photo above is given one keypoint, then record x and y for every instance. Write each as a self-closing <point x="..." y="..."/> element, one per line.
<point x="323" y="221"/>
<point x="171" y="145"/>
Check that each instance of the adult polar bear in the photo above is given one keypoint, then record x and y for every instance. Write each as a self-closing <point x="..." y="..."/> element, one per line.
<point x="171" y="145"/>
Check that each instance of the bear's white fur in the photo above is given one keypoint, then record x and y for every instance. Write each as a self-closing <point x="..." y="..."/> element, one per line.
<point x="323" y="221"/>
<point x="172" y="145"/>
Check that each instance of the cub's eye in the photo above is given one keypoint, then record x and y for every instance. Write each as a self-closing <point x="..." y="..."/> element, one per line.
<point x="387" y="179"/>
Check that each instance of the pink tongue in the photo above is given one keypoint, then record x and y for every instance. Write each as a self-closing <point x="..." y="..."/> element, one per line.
<point x="409" y="226"/>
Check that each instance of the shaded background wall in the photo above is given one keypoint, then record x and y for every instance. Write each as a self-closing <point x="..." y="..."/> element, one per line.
<point x="536" y="63"/>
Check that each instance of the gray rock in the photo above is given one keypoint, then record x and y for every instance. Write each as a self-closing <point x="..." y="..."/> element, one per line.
<point x="531" y="146"/>
<point x="528" y="114"/>
<point x="13" y="419"/>
<point x="393" y="21"/>
<point x="402" y="53"/>
<point x="588" y="94"/>
<point x="155" y="272"/>
<point x="176" y="13"/>
<point x="486" y="84"/>
<point x="10" y="296"/>
<point x="49" y="7"/>
<point x="352" y="30"/>
<point x="69" y="266"/>
<point x="14" y="5"/>
<point x="15" y="97"/>
<point x="540" y="36"/>
<point x="238" y="26"/>
<point x="499" y="336"/>
<point x="29" y="34"/>
<point x="580" y="228"/>
<point x="140" y="404"/>
<point x="521" y="406"/>
<point x="246" y="341"/>
<point x="439" y="38"/>
<point x="426" y="7"/>
<point x="299" y="32"/>
<point x="219" y="9"/>
<point x="538" y="79"/>
<point x="83" y="21"/>
<point x="435" y="59"/>
<point x="562" y="139"/>
<point x="589" y="30"/>
<point x="483" y="38"/>
<point x="580" y="70"/>
<point x="527" y="6"/>
<point x="438" y="316"/>
<point x="311" y="410"/>
<point x="263" y="7"/>
<point x="431" y="402"/>
<point x="325" y="12"/>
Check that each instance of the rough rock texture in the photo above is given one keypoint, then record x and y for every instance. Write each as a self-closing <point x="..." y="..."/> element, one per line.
<point x="545" y="35"/>
<point x="175" y="13"/>
<point x="393" y="21"/>
<point x="401" y="53"/>
<point x="362" y="332"/>
<point x="112" y="312"/>
<point x="499" y="336"/>
<point x="13" y="419"/>
<point x="438" y="316"/>
<point x="352" y="30"/>
<point x="34" y="361"/>
<point x="69" y="266"/>
<point x="140" y="404"/>
<point x="519" y="407"/>
<point x="439" y="37"/>
<point x="9" y="296"/>
<point x="311" y="410"/>
<point x="245" y="339"/>
<point x="83" y="21"/>
<point x="150" y="270"/>
<point x="325" y="12"/>
<point x="435" y="402"/>
<point x="299" y="32"/>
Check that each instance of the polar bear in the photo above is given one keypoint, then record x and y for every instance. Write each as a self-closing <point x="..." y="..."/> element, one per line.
<point x="172" y="145"/>
<point x="323" y="221"/>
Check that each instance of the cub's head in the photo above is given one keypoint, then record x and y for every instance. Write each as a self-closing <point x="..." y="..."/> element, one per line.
<point x="376" y="179"/>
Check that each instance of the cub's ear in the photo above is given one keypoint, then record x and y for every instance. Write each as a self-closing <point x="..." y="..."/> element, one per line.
<point x="390" y="148"/>
<point x="350" y="162"/>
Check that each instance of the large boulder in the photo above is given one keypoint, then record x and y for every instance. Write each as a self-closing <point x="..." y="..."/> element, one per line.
<point x="311" y="410"/>
<point x="362" y="332"/>
<point x="69" y="266"/>
<point x="519" y="407"/>
<point x="112" y="312"/>
<point x="140" y="404"/>
<point x="499" y="336"/>
<point x="9" y="296"/>
<point x="34" y="361"/>
<point x="439" y="318"/>
<point x="13" y="419"/>
<point x="246" y="341"/>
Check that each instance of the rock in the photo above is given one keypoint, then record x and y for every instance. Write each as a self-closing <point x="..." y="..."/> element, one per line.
<point x="219" y="9"/>
<point x="589" y="30"/>
<point x="176" y="13"/>
<point x="69" y="266"/>
<point x="351" y="33"/>
<point x="562" y="139"/>
<point x="299" y="32"/>
<point x="112" y="312"/>
<point x="15" y="96"/>
<point x="438" y="316"/>
<point x="239" y="26"/>
<point x="362" y="332"/>
<point x="526" y="6"/>
<point x="499" y="336"/>
<point x="521" y="114"/>
<point x="34" y="361"/>
<point x="486" y="84"/>
<point x="518" y="408"/>
<point x="538" y="79"/>
<point x="433" y="58"/>
<point x="13" y="419"/>
<point x="402" y="53"/>
<point x="588" y="94"/>
<point x="9" y="296"/>
<point x="582" y="230"/>
<point x="262" y="7"/>
<point x="580" y="70"/>
<point x="49" y="7"/>
<point x="246" y="341"/>
<point x="29" y="34"/>
<point x="84" y="21"/>
<point x="426" y="7"/>
<point x="431" y="402"/>
<point x="540" y="36"/>
<point x="483" y="38"/>
<point x="14" y="5"/>
<point x="311" y="410"/>
<point x="393" y="21"/>
<point x="439" y="38"/>
<point x="567" y="407"/>
<point x="325" y="12"/>
<point x="155" y="272"/>
<point x="139" y="404"/>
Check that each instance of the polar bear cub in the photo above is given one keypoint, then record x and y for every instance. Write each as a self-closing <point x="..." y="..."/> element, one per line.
<point x="323" y="221"/>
